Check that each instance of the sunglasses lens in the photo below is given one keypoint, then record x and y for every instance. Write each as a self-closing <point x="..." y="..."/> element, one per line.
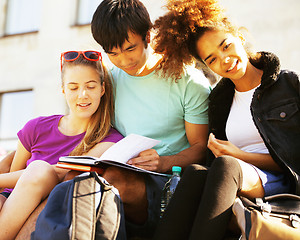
<point x="92" y="55"/>
<point x="71" y="55"/>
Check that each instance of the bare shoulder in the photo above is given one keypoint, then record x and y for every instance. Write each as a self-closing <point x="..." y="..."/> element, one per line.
<point x="99" y="149"/>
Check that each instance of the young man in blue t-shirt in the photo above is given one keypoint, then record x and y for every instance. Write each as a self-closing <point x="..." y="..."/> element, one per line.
<point x="148" y="104"/>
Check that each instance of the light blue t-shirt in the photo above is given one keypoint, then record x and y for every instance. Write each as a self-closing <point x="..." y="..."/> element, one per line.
<point x="156" y="107"/>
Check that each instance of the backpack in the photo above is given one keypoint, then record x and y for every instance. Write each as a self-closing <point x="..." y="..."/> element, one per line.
<point x="275" y="217"/>
<point x="86" y="207"/>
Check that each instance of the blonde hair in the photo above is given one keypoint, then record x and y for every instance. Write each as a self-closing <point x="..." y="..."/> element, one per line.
<point x="100" y="122"/>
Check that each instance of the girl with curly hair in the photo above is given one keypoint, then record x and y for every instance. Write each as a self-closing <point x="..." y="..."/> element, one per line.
<point x="254" y="121"/>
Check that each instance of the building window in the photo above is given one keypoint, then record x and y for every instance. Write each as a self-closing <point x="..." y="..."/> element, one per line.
<point x="16" y="108"/>
<point x="85" y="11"/>
<point x="23" y="16"/>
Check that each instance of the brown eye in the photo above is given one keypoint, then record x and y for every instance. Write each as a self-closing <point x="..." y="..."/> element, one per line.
<point x="226" y="46"/>
<point x="212" y="60"/>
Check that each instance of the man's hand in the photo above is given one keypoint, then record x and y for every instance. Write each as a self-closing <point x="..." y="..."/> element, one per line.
<point x="148" y="160"/>
<point x="220" y="147"/>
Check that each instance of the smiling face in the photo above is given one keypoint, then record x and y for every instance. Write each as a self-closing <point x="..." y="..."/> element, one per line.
<point x="83" y="90"/>
<point x="223" y="53"/>
<point x="132" y="56"/>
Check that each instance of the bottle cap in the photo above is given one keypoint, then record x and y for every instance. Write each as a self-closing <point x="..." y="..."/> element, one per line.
<point x="176" y="169"/>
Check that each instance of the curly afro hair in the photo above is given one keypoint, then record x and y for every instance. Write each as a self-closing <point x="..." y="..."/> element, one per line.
<point x="178" y="30"/>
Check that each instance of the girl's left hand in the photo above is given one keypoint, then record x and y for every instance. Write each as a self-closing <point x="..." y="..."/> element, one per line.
<point x="221" y="147"/>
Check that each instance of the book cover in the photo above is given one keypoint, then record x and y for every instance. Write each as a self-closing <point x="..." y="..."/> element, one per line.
<point x="80" y="167"/>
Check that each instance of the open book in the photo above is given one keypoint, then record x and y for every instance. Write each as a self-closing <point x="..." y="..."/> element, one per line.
<point x="117" y="155"/>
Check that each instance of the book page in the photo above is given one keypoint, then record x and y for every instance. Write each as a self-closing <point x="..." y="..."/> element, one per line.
<point x="128" y="148"/>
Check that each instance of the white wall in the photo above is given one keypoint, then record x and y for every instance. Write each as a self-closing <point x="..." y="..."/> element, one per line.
<point x="274" y="26"/>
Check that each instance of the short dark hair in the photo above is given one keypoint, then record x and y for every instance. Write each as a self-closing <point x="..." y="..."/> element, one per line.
<point x="113" y="19"/>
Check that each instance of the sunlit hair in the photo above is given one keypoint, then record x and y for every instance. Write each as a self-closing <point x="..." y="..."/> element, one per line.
<point x="178" y="31"/>
<point x="100" y="123"/>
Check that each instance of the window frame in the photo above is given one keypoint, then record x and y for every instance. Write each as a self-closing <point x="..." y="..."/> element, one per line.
<point x="78" y="21"/>
<point x="11" y="138"/>
<point x="13" y="28"/>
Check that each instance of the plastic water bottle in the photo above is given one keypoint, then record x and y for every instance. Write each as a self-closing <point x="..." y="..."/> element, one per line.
<point x="169" y="189"/>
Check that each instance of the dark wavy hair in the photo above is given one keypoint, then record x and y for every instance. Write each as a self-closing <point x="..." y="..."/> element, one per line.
<point x="179" y="29"/>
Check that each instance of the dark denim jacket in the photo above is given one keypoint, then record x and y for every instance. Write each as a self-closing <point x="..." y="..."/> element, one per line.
<point x="275" y="109"/>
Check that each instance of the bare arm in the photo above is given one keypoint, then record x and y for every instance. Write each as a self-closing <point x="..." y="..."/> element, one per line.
<point x="262" y="161"/>
<point x="99" y="149"/>
<point x="9" y="180"/>
<point x="20" y="158"/>
<point x="5" y="163"/>
<point x="18" y="164"/>
<point x="197" y="137"/>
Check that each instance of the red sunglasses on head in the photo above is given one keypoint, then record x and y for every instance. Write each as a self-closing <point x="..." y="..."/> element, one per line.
<point x="73" y="55"/>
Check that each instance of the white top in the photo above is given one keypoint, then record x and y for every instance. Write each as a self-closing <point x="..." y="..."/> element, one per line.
<point x="240" y="128"/>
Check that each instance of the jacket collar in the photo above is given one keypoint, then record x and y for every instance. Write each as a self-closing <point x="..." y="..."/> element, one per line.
<point x="269" y="63"/>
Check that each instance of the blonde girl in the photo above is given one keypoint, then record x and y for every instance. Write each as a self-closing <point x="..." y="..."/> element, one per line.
<point x="85" y="130"/>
